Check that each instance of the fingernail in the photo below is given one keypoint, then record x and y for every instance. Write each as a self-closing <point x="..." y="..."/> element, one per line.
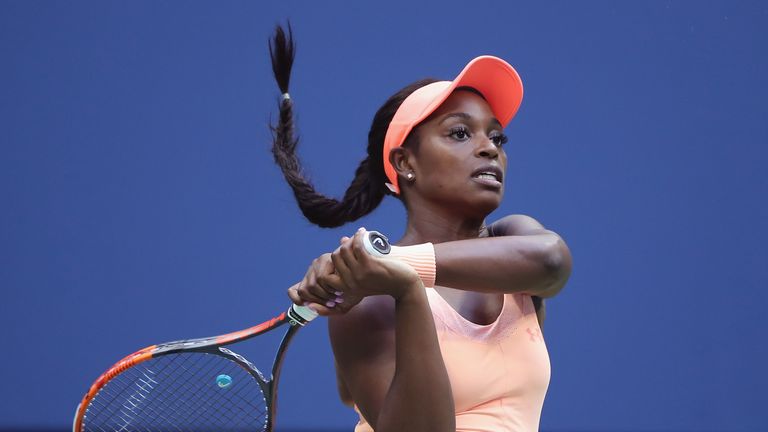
<point x="338" y="293"/>
<point x="338" y="300"/>
<point x="330" y="303"/>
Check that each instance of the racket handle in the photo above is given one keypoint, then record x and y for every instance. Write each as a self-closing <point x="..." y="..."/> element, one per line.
<point x="301" y="315"/>
<point x="376" y="244"/>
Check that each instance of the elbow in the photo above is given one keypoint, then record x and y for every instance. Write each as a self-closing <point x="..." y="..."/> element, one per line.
<point x="557" y="263"/>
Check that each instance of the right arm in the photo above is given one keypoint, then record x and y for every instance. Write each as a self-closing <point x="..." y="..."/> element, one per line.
<point x="388" y="356"/>
<point x="386" y="347"/>
<point x="402" y="384"/>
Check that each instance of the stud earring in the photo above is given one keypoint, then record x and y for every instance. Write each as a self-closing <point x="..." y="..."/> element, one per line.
<point x="410" y="176"/>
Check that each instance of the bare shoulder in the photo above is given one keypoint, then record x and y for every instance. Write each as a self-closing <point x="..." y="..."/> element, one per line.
<point x="517" y="224"/>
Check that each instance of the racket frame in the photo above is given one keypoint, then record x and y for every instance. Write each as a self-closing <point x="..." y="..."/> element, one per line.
<point x="296" y="317"/>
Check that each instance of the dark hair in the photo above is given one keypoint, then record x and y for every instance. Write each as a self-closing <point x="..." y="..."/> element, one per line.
<point x="367" y="188"/>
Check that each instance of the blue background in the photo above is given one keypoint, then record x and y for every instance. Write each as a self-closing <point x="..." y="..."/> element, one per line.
<point x="139" y="202"/>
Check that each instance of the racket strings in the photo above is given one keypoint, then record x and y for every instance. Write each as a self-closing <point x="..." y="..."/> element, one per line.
<point x="122" y="415"/>
<point x="199" y="415"/>
<point x="125" y="416"/>
<point x="236" y="411"/>
<point x="126" y="412"/>
<point x="179" y="393"/>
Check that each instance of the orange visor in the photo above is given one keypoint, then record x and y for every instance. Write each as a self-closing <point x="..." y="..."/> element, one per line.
<point x="494" y="78"/>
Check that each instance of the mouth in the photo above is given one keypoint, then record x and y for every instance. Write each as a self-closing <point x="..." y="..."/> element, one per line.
<point x="489" y="175"/>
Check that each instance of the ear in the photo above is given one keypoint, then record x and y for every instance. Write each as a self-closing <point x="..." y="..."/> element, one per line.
<point x="401" y="160"/>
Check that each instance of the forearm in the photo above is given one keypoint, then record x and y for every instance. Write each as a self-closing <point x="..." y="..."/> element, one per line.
<point x="419" y="397"/>
<point x="536" y="264"/>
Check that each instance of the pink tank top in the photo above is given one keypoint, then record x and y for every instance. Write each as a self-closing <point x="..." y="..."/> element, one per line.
<point x="499" y="372"/>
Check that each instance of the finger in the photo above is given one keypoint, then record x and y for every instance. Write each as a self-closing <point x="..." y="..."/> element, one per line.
<point x="348" y="304"/>
<point x="342" y="269"/>
<point x="320" y="309"/>
<point x="327" y="268"/>
<point x="346" y="253"/>
<point x="326" y="295"/>
<point x="293" y="294"/>
<point x="333" y="282"/>
<point x="307" y="293"/>
<point x="320" y="265"/>
<point x="336" y="283"/>
<point x="358" y="247"/>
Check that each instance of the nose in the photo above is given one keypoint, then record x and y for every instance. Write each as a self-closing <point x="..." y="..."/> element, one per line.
<point x="487" y="149"/>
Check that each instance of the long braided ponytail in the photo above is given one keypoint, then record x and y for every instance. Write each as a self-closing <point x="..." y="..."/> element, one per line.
<point x="367" y="189"/>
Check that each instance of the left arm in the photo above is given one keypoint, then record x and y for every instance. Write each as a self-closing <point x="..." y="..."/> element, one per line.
<point x="521" y="257"/>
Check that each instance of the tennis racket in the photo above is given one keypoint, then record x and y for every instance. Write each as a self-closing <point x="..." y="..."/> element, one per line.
<point x="196" y="385"/>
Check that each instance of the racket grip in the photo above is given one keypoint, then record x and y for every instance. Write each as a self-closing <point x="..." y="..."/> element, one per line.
<point x="301" y="315"/>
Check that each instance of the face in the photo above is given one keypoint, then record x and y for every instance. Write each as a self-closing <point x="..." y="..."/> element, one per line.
<point x="460" y="160"/>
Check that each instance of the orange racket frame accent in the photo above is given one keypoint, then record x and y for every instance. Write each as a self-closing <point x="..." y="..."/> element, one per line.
<point x="139" y="356"/>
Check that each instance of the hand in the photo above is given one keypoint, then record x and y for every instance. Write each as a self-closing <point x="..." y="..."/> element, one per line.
<point x="320" y="291"/>
<point x="361" y="274"/>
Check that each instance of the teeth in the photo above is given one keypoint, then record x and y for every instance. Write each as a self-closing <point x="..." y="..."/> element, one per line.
<point x="486" y="176"/>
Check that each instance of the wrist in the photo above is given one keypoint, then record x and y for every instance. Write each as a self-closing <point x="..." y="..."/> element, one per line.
<point x="410" y="293"/>
<point x="421" y="257"/>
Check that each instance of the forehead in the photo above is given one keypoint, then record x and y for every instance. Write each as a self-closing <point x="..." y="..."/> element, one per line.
<point x="464" y="101"/>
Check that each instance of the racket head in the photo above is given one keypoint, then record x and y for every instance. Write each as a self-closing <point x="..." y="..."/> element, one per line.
<point x="198" y="391"/>
<point x="190" y="385"/>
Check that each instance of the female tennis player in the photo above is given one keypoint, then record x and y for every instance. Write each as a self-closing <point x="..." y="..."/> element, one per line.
<point x="445" y="334"/>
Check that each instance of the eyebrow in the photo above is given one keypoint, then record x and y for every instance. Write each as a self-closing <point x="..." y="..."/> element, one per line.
<point x="465" y="116"/>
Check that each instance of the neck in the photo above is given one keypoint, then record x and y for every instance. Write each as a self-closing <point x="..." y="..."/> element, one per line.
<point x="429" y="225"/>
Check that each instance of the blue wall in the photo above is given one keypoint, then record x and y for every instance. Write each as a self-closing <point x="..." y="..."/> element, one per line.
<point x="139" y="202"/>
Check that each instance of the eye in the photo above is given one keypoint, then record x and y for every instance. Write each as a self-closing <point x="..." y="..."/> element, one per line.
<point x="461" y="133"/>
<point x="499" y="140"/>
